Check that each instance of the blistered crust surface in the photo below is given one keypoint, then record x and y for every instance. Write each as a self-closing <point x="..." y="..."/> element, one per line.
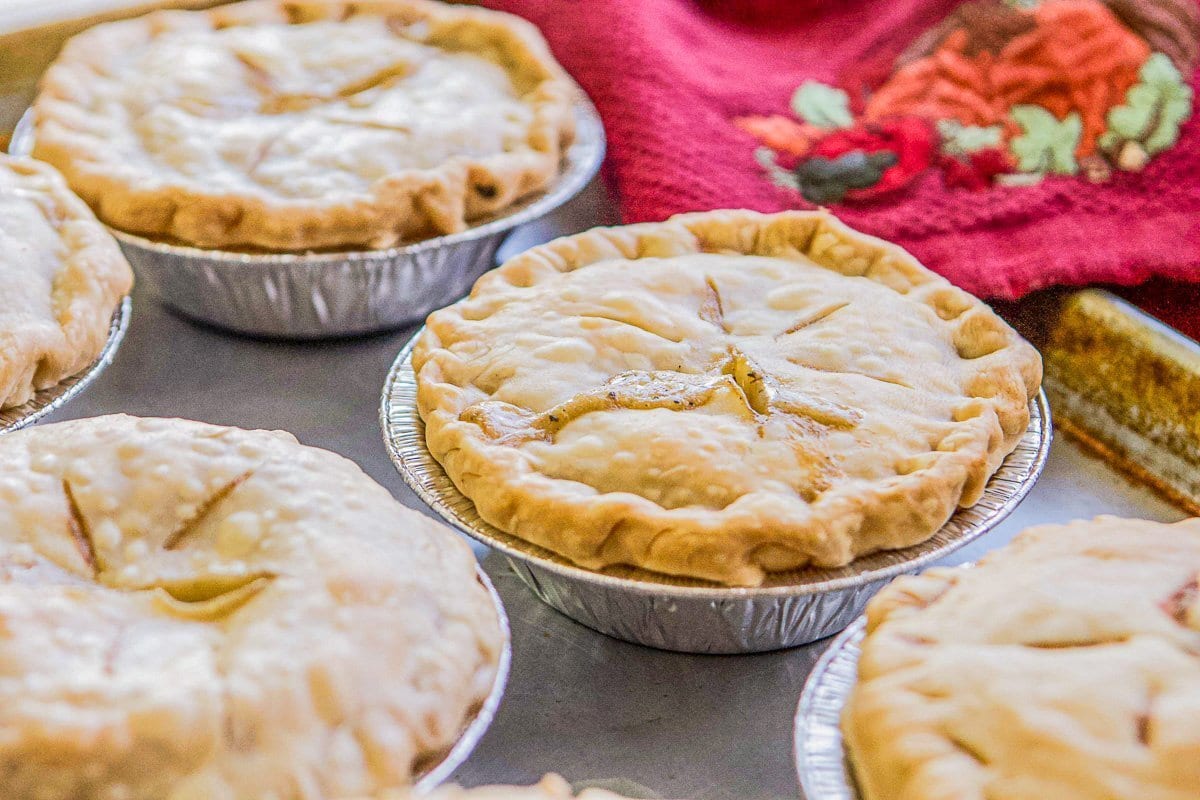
<point x="1066" y="665"/>
<point x="303" y="125"/>
<point x="61" y="279"/>
<point x="721" y="395"/>
<point x="191" y="612"/>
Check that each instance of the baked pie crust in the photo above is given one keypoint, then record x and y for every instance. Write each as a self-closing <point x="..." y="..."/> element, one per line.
<point x="62" y="276"/>
<point x="304" y="124"/>
<point x="192" y="612"/>
<point x="721" y="396"/>
<point x="1065" y="666"/>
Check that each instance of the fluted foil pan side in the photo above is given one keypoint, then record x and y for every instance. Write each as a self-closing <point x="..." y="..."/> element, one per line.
<point x="321" y="295"/>
<point x="821" y="763"/>
<point x="430" y="777"/>
<point x="692" y="616"/>
<point x="54" y="398"/>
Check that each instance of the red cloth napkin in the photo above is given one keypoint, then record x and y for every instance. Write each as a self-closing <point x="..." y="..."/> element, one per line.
<point x="980" y="136"/>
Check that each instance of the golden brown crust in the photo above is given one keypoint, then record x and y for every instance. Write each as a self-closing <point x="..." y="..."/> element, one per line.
<point x="495" y="396"/>
<point x="81" y="118"/>
<point x="1065" y="665"/>
<point x="64" y="277"/>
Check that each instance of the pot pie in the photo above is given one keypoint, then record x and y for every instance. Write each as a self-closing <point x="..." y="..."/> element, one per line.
<point x="193" y="612"/>
<point x="63" y="279"/>
<point x="302" y="125"/>
<point x="1064" y="666"/>
<point x="721" y="396"/>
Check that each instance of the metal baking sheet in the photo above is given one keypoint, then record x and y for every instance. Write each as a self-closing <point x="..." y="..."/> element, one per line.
<point x="673" y="614"/>
<point x="580" y="703"/>
<point x="49" y="400"/>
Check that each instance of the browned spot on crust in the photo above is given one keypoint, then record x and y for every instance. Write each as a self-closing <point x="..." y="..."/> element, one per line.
<point x="189" y="525"/>
<point x="1178" y="603"/>
<point x="80" y="531"/>
<point x="815" y="318"/>
<point x="1142" y="723"/>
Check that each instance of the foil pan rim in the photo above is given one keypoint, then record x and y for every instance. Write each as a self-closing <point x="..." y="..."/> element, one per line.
<point x="583" y="159"/>
<point x="49" y="400"/>
<point x="820" y="756"/>
<point x="403" y="434"/>
<point x="479" y="724"/>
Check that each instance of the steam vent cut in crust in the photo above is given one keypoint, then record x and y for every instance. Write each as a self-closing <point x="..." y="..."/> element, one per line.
<point x="1065" y="666"/>
<point x="302" y="125"/>
<point x="63" y="278"/>
<point x="191" y="612"/>
<point x="721" y="395"/>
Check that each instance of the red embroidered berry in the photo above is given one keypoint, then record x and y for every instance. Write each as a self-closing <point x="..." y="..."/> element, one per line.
<point x="978" y="170"/>
<point x="911" y="139"/>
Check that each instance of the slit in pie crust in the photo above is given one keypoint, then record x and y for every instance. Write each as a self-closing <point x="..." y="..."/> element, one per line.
<point x="721" y="396"/>
<point x="298" y="125"/>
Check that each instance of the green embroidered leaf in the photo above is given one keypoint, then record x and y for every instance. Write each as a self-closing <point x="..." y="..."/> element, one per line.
<point x="959" y="139"/>
<point x="823" y="106"/>
<point x="1046" y="143"/>
<point x="1153" y="110"/>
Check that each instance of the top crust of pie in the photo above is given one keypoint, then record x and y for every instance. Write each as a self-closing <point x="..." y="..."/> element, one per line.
<point x="1065" y="666"/>
<point x="61" y="279"/>
<point x="721" y="395"/>
<point x="294" y="125"/>
<point x="192" y="612"/>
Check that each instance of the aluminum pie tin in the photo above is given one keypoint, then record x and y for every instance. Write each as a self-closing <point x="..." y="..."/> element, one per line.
<point x="821" y="763"/>
<point x="691" y="616"/>
<point x="57" y="396"/>
<point x="322" y="295"/>
<point x="430" y="776"/>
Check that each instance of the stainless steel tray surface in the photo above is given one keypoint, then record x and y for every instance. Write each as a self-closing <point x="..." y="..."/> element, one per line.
<point x="579" y="703"/>
<point x="49" y="400"/>
<point x="658" y="611"/>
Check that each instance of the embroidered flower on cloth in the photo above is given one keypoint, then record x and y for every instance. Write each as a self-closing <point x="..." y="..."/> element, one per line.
<point x="1002" y="92"/>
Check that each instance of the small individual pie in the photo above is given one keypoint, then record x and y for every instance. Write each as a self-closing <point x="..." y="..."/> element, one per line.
<point x="192" y="612"/>
<point x="304" y="124"/>
<point x="550" y="787"/>
<point x="1064" y="666"/>
<point x="721" y="395"/>
<point x="61" y="279"/>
